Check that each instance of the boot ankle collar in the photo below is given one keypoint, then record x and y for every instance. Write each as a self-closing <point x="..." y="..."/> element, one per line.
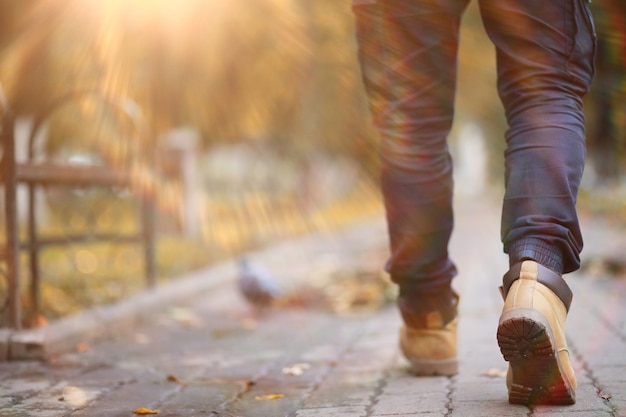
<point x="546" y="276"/>
<point x="429" y="320"/>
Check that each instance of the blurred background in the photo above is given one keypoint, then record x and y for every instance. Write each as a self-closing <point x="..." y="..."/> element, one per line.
<point x="243" y="121"/>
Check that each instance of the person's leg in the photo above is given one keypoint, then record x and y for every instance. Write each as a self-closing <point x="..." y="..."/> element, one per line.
<point x="407" y="51"/>
<point x="545" y="54"/>
<point x="545" y="64"/>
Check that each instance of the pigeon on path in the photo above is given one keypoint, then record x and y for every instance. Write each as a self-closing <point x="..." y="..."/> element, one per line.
<point x="257" y="284"/>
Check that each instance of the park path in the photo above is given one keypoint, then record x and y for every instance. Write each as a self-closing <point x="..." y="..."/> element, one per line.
<point x="208" y="356"/>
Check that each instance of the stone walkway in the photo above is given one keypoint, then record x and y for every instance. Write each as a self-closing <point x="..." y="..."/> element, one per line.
<point x="208" y="356"/>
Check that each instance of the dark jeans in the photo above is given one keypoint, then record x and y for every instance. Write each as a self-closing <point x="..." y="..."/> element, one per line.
<point x="545" y="51"/>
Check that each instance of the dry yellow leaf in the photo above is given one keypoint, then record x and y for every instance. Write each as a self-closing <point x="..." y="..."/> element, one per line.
<point x="268" y="397"/>
<point x="145" y="411"/>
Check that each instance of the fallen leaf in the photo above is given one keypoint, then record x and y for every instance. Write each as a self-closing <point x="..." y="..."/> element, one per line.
<point x="297" y="369"/>
<point x="268" y="397"/>
<point x="221" y="333"/>
<point x="227" y="332"/>
<point x="495" y="373"/>
<point x="82" y="347"/>
<point x="145" y="411"/>
<point x="605" y="395"/>
<point x="185" y="317"/>
<point x="173" y="378"/>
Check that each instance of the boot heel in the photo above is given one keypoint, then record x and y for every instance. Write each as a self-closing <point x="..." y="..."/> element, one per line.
<point x="523" y="334"/>
<point x="527" y="343"/>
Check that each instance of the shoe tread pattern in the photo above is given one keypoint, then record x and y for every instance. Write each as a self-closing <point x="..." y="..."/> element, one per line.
<point x="537" y="378"/>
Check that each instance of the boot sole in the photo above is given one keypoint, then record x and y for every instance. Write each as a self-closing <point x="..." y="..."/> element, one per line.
<point x="527" y="342"/>
<point x="434" y="367"/>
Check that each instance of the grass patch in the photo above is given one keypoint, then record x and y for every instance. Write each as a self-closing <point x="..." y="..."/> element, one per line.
<point x="78" y="276"/>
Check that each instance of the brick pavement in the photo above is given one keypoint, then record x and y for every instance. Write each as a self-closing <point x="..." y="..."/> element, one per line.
<point x="207" y="357"/>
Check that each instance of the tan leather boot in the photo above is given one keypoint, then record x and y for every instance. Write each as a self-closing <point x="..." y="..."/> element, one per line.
<point x="531" y="336"/>
<point x="431" y="347"/>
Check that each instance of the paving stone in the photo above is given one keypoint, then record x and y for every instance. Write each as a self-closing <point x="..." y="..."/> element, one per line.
<point x="23" y="387"/>
<point x="421" y="413"/>
<point x="551" y="412"/>
<point x="613" y="375"/>
<point x="417" y="402"/>
<point x="52" y="400"/>
<point x="339" y="396"/>
<point x="188" y="412"/>
<point x="200" y="397"/>
<point x="341" y="388"/>
<point x="587" y="401"/>
<point x="619" y="406"/>
<point x="481" y="408"/>
<point x="614" y="392"/>
<point x="404" y="384"/>
<point x="489" y="390"/>
<point x="340" y="411"/>
<point x="33" y="411"/>
<point x="107" y="410"/>
<point x="143" y="393"/>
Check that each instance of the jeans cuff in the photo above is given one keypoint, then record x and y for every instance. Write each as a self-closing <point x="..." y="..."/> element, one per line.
<point x="538" y="251"/>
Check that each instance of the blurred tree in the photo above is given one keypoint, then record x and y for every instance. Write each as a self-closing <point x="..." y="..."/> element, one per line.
<point x="477" y="100"/>
<point x="216" y="65"/>
<point x="276" y="72"/>
<point x="220" y="66"/>
<point x="606" y="102"/>
<point x="333" y="114"/>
